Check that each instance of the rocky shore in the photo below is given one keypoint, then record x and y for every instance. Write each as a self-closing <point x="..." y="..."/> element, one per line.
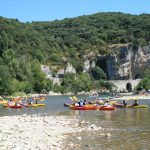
<point x="35" y="132"/>
<point x="133" y="97"/>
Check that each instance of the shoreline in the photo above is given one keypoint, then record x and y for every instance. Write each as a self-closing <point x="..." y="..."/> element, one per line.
<point x="39" y="132"/>
<point x="134" y="97"/>
<point x="35" y="132"/>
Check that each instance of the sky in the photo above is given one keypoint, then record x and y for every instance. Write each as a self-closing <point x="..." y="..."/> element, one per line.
<point x="49" y="10"/>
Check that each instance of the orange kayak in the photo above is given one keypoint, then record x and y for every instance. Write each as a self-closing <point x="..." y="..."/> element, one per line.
<point x="107" y="108"/>
<point x="85" y="107"/>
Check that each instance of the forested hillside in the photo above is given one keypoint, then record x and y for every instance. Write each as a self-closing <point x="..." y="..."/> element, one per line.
<point x="24" y="46"/>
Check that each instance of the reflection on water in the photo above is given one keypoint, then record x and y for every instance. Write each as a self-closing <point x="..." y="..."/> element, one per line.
<point x="130" y="128"/>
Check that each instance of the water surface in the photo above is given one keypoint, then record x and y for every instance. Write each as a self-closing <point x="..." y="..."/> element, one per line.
<point x="129" y="128"/>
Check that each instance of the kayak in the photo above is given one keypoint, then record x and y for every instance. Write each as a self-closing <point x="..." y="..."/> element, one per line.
<point x="139" y="106"/>
<point x="107" y="108"/>
<point x="3" y="101"/>
<point x="67" y="104"/>
<point x="85" y="107"/>
<point x="6" y="105"/>
<point x="118" y="105"/>
<point x="14" y="106"/>
<point x="34" y="105"/>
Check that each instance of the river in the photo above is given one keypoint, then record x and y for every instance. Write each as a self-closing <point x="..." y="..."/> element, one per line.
<point x="129" y="128"/>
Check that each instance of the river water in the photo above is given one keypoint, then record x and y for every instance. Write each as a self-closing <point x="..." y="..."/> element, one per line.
<point x="129" y="128"/>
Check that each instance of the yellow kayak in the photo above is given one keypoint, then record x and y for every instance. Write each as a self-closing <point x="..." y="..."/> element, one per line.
<point x="34" y="105"/>
<point x="3" y="102"/>
<point x="139" y="106"/>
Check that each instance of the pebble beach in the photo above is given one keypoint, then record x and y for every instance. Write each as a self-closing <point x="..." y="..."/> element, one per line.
<point x="35" y="132"/>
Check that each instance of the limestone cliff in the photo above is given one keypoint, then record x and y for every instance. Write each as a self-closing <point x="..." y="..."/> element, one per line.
<point x="125" y="63"/>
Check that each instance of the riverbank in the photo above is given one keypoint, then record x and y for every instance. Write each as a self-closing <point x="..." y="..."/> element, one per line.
<point x="130" y="97"/>
<point x="41" y="132"/>
<point x="35" y="132"/>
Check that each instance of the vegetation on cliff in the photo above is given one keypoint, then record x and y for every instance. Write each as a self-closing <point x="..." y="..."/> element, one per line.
<point x="24" y="46"/>
<point x="145" y="82"/>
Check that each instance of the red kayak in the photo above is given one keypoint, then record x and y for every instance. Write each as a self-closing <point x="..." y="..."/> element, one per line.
<point x="14" y="106"/>
<point x="107" y="108"/>
<point x="118" y="105"/>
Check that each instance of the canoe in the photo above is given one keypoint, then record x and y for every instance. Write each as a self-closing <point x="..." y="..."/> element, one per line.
<point x="139" y="106"/>
<point x="34" y="105"/>
<point x="107" y="108"/>
<point x="85" y="107"/>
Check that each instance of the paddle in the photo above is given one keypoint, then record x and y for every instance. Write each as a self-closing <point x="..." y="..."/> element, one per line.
<point x="75" y="98"/>
<point x="71" y="98"/>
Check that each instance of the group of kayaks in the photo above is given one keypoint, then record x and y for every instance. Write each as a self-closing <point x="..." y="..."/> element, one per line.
<point x="22" y="105"/>
<point x="17" y="103"/>
<point x="92" y="107"/>
<point x="130" y="106"/>
<point x="102" y="107"/>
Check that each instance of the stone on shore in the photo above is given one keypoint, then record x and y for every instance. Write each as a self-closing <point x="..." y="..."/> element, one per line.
<point x="35" y="132"/>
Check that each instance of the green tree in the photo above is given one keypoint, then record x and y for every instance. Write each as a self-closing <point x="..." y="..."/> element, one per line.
<point x="39" y="81"/>
<point x="144" y="84"/>
<point x="97" y="73"/>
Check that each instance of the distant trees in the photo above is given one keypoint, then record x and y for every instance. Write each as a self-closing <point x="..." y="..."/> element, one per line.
<point x="97" y="73"/>
<point x="76" y="83"/>
<point x="145" y="82"/>
<point x="24" y="46"/>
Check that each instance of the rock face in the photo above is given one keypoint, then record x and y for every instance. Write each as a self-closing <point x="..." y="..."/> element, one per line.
<point x="123" y="63"/>
<point x="46" y="70"/>
<point x="135" y="62"/>
<point x="141" y="61"/>
<point x="69" y="68"/>
<point x="88" y="64"/>
<point x="126" y="63"/>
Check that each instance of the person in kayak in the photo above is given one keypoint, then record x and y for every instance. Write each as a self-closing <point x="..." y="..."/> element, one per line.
<point x="106" y="103"/>
<point x="16" y="103"/>
<point x="76" y="104"/>
<point x="124" y="103"/>
<point x="30" y="102"/>
<point x="135" y="103"/>
<point x="80" y="103"/>
<point x="84" y="102"/>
